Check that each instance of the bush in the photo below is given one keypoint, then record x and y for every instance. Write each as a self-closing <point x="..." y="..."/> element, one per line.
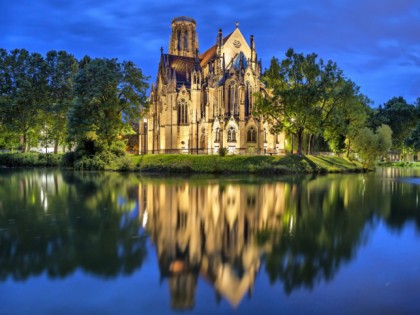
<point x="98" y="162"/>
<point x="68" y="159"/>
<point x="223" y="151"/>
<point x="29" y="160"/>
<point x="125" y="164"/>
<point x="118" y="148"/>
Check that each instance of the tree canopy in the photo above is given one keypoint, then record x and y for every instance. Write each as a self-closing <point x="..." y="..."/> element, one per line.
<point x="402" y="118"/>
<point x="53" y="99"/>
<point x="108" y="96"/>
<point x="371" y="146"/>
<point x="307" y="95"/>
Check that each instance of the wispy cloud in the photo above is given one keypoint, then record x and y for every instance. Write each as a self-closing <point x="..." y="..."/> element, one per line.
<point x="376" y="42"/>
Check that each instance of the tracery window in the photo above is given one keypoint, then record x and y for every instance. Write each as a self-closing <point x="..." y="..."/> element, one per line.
<point x="232" y="106"/>
<point x="217" y="135"/>
<point x="248" y="99"/>
<point x="251" y="135"/>
<point x="185" y="40"/>
<point x="182" y="112"/>
<point x="231" y="135"/>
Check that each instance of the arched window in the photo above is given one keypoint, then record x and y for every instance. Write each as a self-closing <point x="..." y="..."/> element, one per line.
<point x="217" y="135"/>
<point x="185" y="40"/>
<point x="178" y="35"/>
<point x="251" y="135"/>
<point x="248" y="99"/>
<point x="182" y="112"/>
<point x="231" y="135"/>
<point x="232" y="107"/>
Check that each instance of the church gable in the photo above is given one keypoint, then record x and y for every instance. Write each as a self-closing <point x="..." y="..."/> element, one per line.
<point x="234" y="45"/>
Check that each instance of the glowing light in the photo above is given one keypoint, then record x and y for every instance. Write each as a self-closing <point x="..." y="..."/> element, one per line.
<point x="145" y="215"/>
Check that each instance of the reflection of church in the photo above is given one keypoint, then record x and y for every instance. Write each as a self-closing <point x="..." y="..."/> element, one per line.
<point x="203" y="102"/>
<point x="210" y="231"/>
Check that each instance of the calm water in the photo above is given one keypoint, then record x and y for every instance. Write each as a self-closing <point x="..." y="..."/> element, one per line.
<point x="106" y="243"/>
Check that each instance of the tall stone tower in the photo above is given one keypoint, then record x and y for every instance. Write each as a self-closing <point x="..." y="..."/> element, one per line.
<point x="184" y="40"/>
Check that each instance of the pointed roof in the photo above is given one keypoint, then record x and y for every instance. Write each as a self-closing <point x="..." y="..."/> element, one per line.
<point x="211" y="52"/>
<point x="180" y="65"/>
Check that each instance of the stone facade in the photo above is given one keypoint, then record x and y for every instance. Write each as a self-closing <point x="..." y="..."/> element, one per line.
<point x="201" y="103"/>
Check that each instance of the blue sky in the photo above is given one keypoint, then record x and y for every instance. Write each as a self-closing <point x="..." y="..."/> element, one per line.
<point x="375" y="42"/>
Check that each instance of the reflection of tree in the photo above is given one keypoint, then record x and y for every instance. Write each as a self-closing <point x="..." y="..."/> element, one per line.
<point x="48" y="225"/>
<point x="321" y="236"/>
<point x="403" y="190"/>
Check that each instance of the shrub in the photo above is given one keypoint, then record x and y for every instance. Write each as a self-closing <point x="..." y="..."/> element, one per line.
<point x="118" y="148"/>
<point x="68" y="159"/>
<point x="223" y="151"/>
<point x="125" y="164"/>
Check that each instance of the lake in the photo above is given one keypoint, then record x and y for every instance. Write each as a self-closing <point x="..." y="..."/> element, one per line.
<point x="110" y="243"/>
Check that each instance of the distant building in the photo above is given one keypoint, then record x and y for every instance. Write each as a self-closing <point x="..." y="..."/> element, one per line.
<point x="202" y="102"/>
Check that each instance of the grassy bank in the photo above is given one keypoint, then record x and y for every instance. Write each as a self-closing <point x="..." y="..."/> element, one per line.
<point x="400" y="164"/>
<point x="241" y="164"/>
<point x="174" y="163"/>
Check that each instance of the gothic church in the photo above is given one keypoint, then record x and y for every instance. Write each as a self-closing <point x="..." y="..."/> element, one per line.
<point x="203" y="102"/>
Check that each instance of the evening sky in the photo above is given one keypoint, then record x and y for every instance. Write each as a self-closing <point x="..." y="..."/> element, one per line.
<point x="375" y="42"/>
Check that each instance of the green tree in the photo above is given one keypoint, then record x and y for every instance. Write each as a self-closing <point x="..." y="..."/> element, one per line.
<point x="62" y="70"/>
<point x="108" y="95"/>
<point x="304" y="95"/>
<point x="371" y="146"/>
<point x="401" y="118"/>
<point x="23" y="94"/>
<point x="347" y="120"/>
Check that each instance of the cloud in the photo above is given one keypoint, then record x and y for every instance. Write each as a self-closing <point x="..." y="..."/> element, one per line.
<point x="374" y="41"/>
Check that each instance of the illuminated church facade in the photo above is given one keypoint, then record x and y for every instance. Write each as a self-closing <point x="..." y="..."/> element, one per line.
<point x="203" y="102"/>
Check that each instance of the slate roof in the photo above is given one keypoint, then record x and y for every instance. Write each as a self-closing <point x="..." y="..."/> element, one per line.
<point x="211" y="52"/>
<point x="181" y="65"/>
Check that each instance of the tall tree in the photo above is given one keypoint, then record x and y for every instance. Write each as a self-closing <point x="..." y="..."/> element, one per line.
<point x="371" y="146"/>
<point x="305" y="94"/>
<point x="62" y="70"/>
<point x="341" y="130"/>
<point x="107" y="96"/>
<point x="401" y="118"/>
<point x="23" y="94"/>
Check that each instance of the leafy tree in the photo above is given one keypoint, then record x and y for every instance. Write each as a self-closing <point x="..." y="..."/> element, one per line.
<point x="62" y="70"/>
<point x="346" y="122"/>
<point x="371" y="146"/>
<point x="402" y="119"/>
<point x="23" y="94"/>
<point x="305" y="95"/>
<point x="108" y="95"/>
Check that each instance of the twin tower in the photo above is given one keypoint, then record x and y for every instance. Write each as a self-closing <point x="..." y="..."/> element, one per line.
<point x="201" y="103"/>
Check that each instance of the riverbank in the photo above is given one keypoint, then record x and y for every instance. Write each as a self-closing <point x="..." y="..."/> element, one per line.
<point x="399" y="164"/>
<point x="212" y="164"/>
<point x="215" y="164"/>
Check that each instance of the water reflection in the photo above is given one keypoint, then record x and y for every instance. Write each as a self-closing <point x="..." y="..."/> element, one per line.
<point x="298" y="231"/>
<point x="57" y="222"/>
<point x="211" y="231"/>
